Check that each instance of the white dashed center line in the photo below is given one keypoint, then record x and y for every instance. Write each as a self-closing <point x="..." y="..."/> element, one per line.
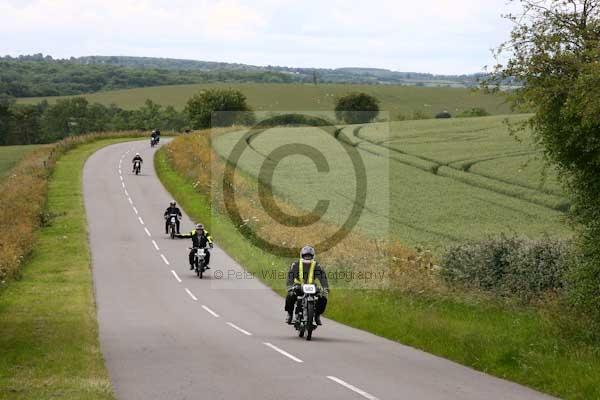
<point x="130" y="201"/>
<point x="176" y="276"/>
<point x="191" y="294"/>
<point x="353" y="388"/>
<point x="237" y="328"/>
<point x="211" y="312"/>
<point x="135" y="209"/>
<point x="147" y="232"/>
<point x="155" y="245"/>
<point x="141" y="220"/>
<point x="164" y="259"/>
<point x="285" y="353"/>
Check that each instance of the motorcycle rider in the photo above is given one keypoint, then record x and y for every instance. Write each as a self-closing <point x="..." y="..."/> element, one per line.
<point x="137" y="158"/>
<point x="153" y="137"/>
<point x="172" y="209"/>
<point x="200" y="238"/>
<point x="304" y="271"/>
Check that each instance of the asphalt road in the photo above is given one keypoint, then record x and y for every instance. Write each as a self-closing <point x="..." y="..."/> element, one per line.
<point x="165" y="334"/>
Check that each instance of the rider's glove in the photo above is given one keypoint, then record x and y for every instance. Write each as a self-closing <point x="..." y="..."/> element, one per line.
<point x="325" y="292"/>
<point x="211" y="245"/>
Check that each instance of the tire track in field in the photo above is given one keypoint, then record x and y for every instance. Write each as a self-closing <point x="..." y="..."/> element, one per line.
<point x="561" y="207"/>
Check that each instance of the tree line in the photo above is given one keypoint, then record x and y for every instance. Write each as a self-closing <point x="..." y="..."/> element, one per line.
<point x="46" y="123"/>
<point x="46" y="77"/>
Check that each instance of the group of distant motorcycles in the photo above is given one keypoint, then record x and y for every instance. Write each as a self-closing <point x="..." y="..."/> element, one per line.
<point x="307" y="294"/>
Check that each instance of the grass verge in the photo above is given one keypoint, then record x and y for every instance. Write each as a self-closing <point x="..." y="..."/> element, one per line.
<point x="520" y="344"/>
<point x="48" y="328"/>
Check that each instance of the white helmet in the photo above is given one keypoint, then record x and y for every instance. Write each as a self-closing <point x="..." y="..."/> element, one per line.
<point x="307" y="253"/>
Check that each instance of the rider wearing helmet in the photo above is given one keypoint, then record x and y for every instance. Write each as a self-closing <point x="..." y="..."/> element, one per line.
<point x="200" y="239"/>
<point x="311" y="269"/>
<point x="172" y="209"/>
<point x="136" y="158"/>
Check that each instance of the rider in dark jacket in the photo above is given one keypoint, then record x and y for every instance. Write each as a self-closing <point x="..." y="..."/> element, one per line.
<point x="173" y="209"/>
<point x="136" y="158"/>
<point x="200" y="239"/>
<point x="310" y="270"/>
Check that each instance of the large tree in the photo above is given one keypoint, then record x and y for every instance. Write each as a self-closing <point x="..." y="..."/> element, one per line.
<point x="216" y="107"/>
<point x="554" y="55"/>
<point x="356" y="108"/>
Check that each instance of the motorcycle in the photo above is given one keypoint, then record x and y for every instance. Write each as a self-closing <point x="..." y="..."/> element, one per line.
<point x="172" y="225"/>
<point x="305" y="310"/>
<point x="153" y="142"/>
<point x="137" y="166"/>
<point x="199" y="261"/>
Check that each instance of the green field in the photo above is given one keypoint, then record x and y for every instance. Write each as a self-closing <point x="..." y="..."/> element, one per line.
<point x="512" y="343"/>
<point x="303" y="97"/>
<point x="10" y="155"/>
<point x="429" y="183"/>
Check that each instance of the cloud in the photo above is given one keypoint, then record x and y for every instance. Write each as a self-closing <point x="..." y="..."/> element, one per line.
<point x="405" y="35"/>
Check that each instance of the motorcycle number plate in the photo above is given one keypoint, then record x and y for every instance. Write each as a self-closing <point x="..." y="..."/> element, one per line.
<point x="309" y="289"/>
<point x="201" y="252"/>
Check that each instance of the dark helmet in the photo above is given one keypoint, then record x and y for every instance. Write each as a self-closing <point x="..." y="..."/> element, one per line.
<point x="307" y="253"/>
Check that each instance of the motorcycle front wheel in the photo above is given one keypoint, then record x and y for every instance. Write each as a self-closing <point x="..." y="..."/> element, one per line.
<point x="310" y="314"/>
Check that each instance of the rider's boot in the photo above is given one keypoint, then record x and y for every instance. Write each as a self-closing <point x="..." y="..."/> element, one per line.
<point x="191" y="267"/>
<point x="318" y="319"/>
<point x="289" y="318"/>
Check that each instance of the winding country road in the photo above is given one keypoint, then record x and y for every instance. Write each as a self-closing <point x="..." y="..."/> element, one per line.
<point x="165" y="334"/>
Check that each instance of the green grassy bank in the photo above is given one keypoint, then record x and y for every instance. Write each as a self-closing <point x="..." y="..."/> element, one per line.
<point x="49" y="345"/>
<point x="519" y="344"/>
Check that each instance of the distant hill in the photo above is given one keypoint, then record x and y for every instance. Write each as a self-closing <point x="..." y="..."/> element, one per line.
<point x="324" y="75"/>
<point x="39" y="75"/>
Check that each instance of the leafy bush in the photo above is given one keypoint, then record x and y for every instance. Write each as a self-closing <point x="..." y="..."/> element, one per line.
<point x="296" y="120"/>
<point x="356" y="108"/>
<point x="217" y="107"/>
<point x="415" y="115"/>
<point x="473" y="112"/>
<point x="510" y="266"/>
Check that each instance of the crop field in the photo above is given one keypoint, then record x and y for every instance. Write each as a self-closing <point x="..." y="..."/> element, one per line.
<point x="10" y="155"/>
<point x="428" y="183"/>
<point x="304" y="97"/>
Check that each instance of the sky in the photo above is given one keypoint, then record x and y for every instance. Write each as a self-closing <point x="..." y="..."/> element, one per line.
<point x="435" y="36"/>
